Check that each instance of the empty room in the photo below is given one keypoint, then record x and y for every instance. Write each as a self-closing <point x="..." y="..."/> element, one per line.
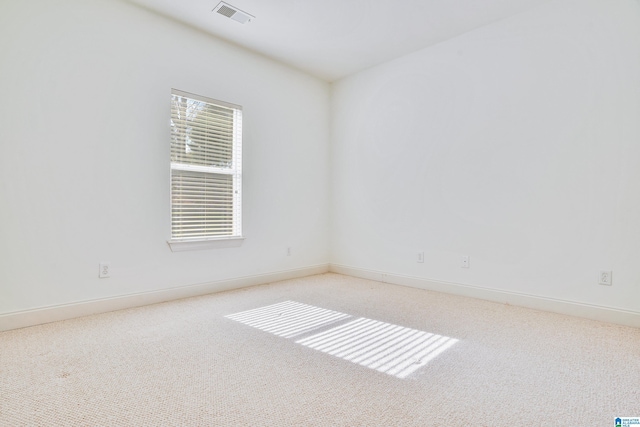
<point x="320" y="213"/>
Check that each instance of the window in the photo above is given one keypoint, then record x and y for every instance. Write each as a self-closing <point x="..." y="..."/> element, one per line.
<point x="206" y="172"/>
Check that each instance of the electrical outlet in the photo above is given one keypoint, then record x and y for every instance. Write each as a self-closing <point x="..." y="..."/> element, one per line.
<point x="420" y="257"/>
<point x="105" y="270"/>
<point x="605" y="278"/>
<point x="289" y="251"/>
<point x="464" y="261"/>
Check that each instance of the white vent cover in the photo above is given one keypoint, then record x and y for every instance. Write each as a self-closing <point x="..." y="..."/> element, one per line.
<point x="233" y="12"/>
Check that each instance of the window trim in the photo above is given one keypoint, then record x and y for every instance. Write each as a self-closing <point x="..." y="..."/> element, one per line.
<point x="199" y="243"/>
<point x="208" y="243"/>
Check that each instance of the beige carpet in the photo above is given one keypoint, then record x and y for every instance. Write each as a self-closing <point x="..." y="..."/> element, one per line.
<point x="325" y="350"/>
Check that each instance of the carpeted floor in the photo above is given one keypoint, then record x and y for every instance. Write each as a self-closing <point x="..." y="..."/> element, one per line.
<point x="326" y="350"/>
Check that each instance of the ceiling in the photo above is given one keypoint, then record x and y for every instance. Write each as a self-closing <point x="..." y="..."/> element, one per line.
<point x="331" y="39"/>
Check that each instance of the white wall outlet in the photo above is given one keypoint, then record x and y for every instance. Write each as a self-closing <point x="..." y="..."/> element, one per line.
<point x="420" y="257"/>
<point x="464" y="261"/>
<point x="105" y="270"/>
<point x="288" y="250"/>
<point x="605" y="278"/>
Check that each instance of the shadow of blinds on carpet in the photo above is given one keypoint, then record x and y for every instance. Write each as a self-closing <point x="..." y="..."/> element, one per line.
<point x="388" y="348"/>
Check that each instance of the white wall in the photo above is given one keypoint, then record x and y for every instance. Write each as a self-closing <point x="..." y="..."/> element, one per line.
<point x="84" y="163"/>
<point x="517" y="144"/>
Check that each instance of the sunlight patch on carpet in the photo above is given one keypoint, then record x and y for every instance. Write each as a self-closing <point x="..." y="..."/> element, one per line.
<point x="385" y="347"/>
<point x="288" y="319"/>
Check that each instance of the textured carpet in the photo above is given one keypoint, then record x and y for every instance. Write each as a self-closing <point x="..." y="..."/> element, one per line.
<point x="326" y="350"/>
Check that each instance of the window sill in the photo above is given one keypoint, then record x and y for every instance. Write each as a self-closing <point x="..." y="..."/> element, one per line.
<point x="196" y="245"/>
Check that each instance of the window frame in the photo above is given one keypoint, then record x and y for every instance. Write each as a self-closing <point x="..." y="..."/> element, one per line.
<point x="236" y="237"/>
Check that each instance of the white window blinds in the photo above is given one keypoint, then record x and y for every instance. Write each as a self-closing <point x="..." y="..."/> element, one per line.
<point x="206" y="168"/>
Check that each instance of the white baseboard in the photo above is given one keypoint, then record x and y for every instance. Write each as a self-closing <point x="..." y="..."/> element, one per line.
<point x="49" y="314"/>
<point x="21" y="319"/>
<point x="588" y="311"/>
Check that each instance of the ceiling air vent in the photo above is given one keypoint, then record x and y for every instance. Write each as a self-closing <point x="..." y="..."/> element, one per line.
<point x="233" y="12"/>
